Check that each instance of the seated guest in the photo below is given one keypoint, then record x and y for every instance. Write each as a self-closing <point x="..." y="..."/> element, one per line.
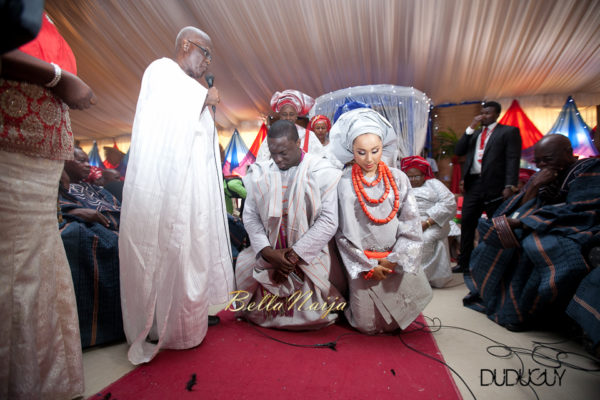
<point x="379" y="236"/>
<point x="529" y="261"/>
<point x="320" y="125"/>
<point x="437" y="207"/>
<point x="89" y="232"/>
<point x="111" y="181"/>
<point x="100" y="177"/>
<point x="110" y="175"/>
<point x="289" y="105"/>
<point x="290" y="216"/>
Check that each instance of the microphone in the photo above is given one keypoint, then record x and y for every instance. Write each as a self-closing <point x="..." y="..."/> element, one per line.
<point x="210" y="81"/>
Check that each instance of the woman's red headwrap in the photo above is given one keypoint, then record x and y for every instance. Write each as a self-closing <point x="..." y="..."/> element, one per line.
<point x="301" y="102"/>
<point x="319" y="118"/>
<point x="419" y="163"/>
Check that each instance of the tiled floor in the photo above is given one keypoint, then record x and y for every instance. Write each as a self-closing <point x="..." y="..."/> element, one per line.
<point x="464" y="351"/>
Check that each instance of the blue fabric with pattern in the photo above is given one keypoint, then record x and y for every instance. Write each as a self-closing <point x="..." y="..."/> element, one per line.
<point x="534" y="283"/>
<point x="93" y="254"/>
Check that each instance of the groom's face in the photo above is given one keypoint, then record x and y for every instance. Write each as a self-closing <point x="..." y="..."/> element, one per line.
<point x="285" y="152"/>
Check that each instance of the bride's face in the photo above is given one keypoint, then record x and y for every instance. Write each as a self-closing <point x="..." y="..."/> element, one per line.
<point x="367" y="152"/>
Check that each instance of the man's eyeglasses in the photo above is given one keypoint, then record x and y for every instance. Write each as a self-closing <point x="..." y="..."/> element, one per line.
<point x="206" y="53"/>
<point x="414" y="177"/>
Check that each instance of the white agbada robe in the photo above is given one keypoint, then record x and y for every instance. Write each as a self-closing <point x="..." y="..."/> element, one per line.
<point x="310" y="202"/>
<point x="174" y="240"/>
<point x="435" y="201"/>
<point x="314" y="145"/>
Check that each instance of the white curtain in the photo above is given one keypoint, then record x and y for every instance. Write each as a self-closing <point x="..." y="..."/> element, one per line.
<point x="452" y="50"/>
<point x="406" y="108"/>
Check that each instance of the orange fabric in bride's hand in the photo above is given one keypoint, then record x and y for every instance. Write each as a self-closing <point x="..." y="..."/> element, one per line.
<point x="376" y="254"/>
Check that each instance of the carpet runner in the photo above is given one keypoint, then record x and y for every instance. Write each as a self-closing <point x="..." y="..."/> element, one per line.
<point x="237" y="361"/>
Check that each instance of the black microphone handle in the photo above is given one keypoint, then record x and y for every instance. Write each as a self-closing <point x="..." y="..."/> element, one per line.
<point x="210" y="80"/>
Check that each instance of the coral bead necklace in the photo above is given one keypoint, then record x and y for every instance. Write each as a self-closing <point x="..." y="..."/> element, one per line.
<point x="359" y="182"/>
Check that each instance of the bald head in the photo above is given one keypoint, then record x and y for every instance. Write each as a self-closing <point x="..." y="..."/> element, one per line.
<point x="189" y="32"/>
<point x="193" y="51"/>
<point x="555" y="140"/>
<point x="554" y="151"/>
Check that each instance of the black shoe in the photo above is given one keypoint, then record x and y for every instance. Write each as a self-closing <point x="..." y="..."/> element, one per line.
<point x="518" y="327"/>
<point x="213" y="320"/>
<point x="459" y="269"/>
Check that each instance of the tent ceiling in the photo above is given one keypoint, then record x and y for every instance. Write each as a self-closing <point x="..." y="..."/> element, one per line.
<point x="453" y="50"/>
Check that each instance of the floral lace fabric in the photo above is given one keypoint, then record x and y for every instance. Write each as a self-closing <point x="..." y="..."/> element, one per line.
<point x="34" y="122"/>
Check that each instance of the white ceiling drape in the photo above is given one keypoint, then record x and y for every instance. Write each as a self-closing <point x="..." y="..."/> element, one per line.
<point x="452" y="50"/>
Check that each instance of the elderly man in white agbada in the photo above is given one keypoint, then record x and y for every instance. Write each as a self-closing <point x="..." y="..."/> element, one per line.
<point x="173" y="244"/>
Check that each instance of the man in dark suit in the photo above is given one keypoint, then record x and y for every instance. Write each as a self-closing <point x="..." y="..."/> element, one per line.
<point x="490" y="172"/>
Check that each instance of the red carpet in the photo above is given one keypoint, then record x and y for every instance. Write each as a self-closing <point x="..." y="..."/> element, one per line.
<point x="236" y="362"/>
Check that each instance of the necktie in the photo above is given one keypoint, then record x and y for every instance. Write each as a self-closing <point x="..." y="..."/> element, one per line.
<point x="481" y="145"/>
<point x="483" y="137"/>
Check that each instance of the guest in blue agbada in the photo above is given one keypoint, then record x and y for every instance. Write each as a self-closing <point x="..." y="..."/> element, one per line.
<point x="90" y="234"/>
<point x="529" y="261"/>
